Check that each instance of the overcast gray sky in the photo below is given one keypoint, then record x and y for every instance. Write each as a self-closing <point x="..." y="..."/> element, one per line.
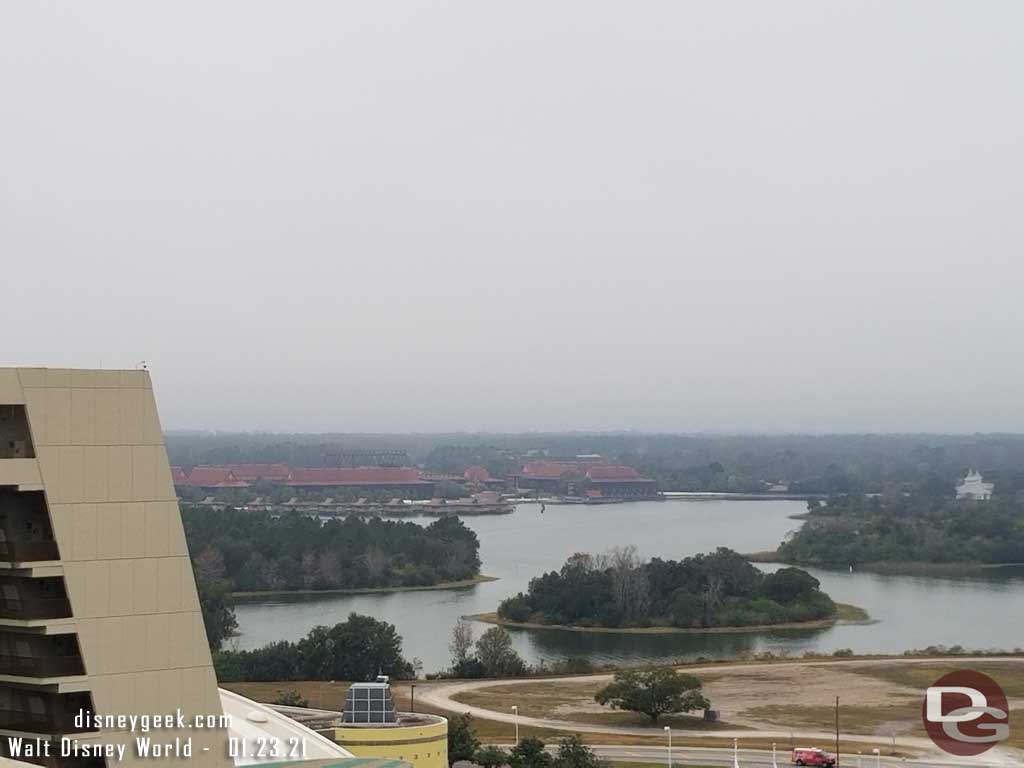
<point x="394" y="216"/>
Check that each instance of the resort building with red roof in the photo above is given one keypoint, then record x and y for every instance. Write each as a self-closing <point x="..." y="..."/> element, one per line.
<point x="213" y="477"/>
<point x="403" y="480"/>
<point x="253" y="473"/>
<point x="479" y="477"/>
<point x="585" y="478"/>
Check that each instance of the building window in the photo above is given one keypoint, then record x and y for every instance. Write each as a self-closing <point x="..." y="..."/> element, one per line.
<point x="15" y="438"/>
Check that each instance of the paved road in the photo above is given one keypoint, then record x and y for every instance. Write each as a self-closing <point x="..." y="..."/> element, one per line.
<point x="752" y="758"/>
<point x="440" y="695"/>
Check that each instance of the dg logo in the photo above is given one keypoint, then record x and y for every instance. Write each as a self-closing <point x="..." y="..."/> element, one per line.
<point x="966" y="713"/>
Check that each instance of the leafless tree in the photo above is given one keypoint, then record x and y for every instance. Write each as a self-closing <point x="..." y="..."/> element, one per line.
<point x="377" y="561"/>
<point x="462" y="642"/>
<point x="712" y="595"/>
<point x="630" y="590"/>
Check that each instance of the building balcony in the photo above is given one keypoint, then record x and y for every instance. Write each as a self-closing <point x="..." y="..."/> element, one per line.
<point x="28" y="551"/>
<point x="28" y="711"/>
<point x="51" y="723"/>
<point x="15" y="437"/>
<point x="28" y="608"/>
<point x="41" y="666"/>
<point x="26" y="534"/>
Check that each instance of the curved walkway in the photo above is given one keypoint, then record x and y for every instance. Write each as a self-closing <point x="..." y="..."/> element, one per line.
<point x="440" y="695"/>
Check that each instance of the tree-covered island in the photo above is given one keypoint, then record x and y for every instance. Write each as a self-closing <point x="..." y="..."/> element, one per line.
<point x="255" y="552"/>
<point x="709" y="591"/>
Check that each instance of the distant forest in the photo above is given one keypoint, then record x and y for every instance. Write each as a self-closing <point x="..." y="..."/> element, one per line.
<point x="252" y="551"/>
<point x="720" y="589"/>
<point x="825" y="464"/>
<point x="905" y="529"/>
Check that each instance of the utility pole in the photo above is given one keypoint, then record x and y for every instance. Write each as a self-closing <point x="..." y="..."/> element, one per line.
<point x="837" y="732"/>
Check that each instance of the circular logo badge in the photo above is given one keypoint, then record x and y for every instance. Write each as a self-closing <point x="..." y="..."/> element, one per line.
<point x="966" y="713"/>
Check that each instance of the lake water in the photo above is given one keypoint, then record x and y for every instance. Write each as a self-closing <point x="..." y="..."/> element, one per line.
<point x="912" y="612"/>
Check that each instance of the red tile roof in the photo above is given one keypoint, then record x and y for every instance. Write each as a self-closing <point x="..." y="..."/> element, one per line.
<point x="558" y="470"/>
<point x="551" y="470"/>
<point x="214" y="477"/>
<point x="477" y="474"/>
<point x="609" y="472"/>
<point x="179" y="476"/>
<point x="354" y="476"/>
<point x="258" y="471"/>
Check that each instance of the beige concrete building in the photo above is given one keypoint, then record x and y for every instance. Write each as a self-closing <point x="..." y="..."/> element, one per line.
<point x="98" y="605"/>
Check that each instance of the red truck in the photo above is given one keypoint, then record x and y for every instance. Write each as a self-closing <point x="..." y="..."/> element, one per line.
<point x="813" y="756"/>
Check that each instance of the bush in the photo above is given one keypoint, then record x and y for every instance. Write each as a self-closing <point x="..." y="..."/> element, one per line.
<point x="290" y="698"/>
<point x="491" y="757"/>
<point x="462" y="741"/>
<point x="515" y="608"/>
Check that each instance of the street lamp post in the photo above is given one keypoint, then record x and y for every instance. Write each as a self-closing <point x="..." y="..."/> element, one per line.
<point x="515" y="714"/>
<point x="668" y="730"/>
<point x="412" y="697"/>
<point x="878" y="757"/>
<point x="736" y="753"/>
<point x="858" y="760"/>
<point x="837" y="732"/>
<point x="775" y="763"/>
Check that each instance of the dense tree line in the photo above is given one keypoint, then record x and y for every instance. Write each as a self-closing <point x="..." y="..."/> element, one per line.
<point x="357" y="650"/>
<point x="915" y="528"/>
<point x="252" y="551"/>
<point x="714" y="590"/>
<point x="214" y="597"/>
<point x="448" y="458"/>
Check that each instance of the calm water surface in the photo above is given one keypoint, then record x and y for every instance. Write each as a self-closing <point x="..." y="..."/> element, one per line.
<point x="913" y="612"/>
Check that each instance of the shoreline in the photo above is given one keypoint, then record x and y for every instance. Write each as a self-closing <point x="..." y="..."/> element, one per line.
<point x="887" y="568"/>
<point x="845" y="614"/>
<point x="461" y="584"/>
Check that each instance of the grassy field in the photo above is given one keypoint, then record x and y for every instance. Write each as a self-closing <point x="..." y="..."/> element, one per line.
<point x="1009" y="675"/>
<point x="844" y="612"/>
<point x="558" y="700"/>
<point x="858" y="720"/>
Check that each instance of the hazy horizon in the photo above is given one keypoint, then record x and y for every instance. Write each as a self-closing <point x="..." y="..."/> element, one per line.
<point x="729" y="218"/>
<point x="709" y="433"/>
